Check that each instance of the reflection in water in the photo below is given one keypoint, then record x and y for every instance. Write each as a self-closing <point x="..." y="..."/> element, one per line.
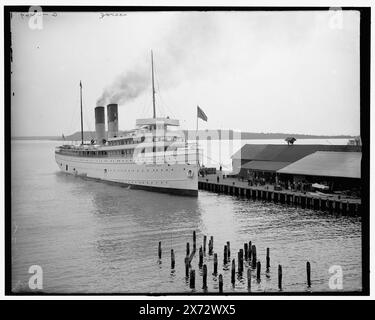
<point x="90" y="236"/>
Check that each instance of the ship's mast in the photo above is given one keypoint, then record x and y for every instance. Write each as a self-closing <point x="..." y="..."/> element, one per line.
<point x="80" y="86"/>
<point x="153" y="86"/>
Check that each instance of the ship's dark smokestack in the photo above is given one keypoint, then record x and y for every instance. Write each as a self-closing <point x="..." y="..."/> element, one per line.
<point x="100" y="124"/>
<point x="112" y="118"/>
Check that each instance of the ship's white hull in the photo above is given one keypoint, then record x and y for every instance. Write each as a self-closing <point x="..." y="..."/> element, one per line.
<point x="178" y="178"/>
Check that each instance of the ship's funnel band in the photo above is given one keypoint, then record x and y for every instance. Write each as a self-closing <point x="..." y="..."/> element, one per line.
<point x="112" y="118"/>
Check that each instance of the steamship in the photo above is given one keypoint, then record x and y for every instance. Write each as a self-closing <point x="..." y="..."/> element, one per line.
<point x="151" y="156"/>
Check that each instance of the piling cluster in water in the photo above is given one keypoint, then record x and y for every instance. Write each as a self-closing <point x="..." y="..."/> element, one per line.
<point x="247" y="254"/>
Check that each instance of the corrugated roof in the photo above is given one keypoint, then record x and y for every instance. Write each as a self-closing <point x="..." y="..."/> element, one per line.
<point x="285" y="153"/>
<point x="264" y="165"/>
<point x="328" y="164"/>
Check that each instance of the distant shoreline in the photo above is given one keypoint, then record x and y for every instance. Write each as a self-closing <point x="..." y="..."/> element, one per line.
<point x="203" y="135"/>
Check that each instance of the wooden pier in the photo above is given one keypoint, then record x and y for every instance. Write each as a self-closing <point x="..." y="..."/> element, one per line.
<point x="304" y="200"/>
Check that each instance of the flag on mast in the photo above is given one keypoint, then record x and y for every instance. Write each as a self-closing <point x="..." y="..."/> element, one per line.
<point x="201" y="114"/>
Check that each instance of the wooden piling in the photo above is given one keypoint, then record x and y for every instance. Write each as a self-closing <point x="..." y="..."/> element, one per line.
<point x="225" y="254"/>
<point x="187" y="249"/>
<point x="280" y="276"/>
<point x="159" y="250"/>
<point x="204" y="276"/>
<point x="192" y="279"/>
<point x="228" y="249"/>
<point x="308" y="271"/>
<point x="204" y="244"/>
<point x="215" y="264"/>
<point x="249" y="279"/>
<point x="212" y="245"/>
<point x="172" y="259"/>
<point x="240" y="261"/>
<point x="200" y="257"/>
<point x="250" y="251"/>
<point x="220" y="283"/>
<point x="186" y="266"/>
<point x="254" y="256"/>
<point x="246" y="251"/>
<point x="268" y="260"/>
<point x="233" y="278"/>
<point x="194" y="241"/>
<point x="258" y="270"/>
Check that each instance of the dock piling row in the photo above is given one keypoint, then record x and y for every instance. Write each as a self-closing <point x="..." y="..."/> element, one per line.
<point x="287" y="197"/>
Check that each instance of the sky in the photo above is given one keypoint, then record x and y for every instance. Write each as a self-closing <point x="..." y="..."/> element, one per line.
<point x="290" y="72"/>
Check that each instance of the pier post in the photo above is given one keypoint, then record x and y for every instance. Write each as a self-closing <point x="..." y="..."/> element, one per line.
<point x="186" y="266"/>
<point x="200" y="257"/>
<point x="228" y="248"/>
<point x="254" y="258"/>
<point x="280" y="276"/>
<point x="308" y="271"/>
<point x="268" y="260"/>
<point x="212" y="244"/>
<point x="204" y="276"/>
<point x="159" y="250"/>
<point x="215" y="264"/>
<point x="239" y="262"/>
<point x="246" y="251"/>
<point x="204" y="244"/>
<point x="250" y="251"/>
<point x="249" y="279"/>
<point x="233" y="278"/>
<point x="172" y="259"/>
<point x="194" y="241"/>
<point x="187" y="249"/>
<point x="192" y="279"/>
<point x="220" y="283"/>
<point x="258" y="271"/>
<point x="225" y="254"/>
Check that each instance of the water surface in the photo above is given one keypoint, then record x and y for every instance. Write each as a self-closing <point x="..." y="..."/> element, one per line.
<point x="92" y="237"/>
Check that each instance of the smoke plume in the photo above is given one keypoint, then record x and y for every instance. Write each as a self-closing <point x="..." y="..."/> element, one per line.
<point x="187" y="44"/>
<point x="125" y="87"/>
